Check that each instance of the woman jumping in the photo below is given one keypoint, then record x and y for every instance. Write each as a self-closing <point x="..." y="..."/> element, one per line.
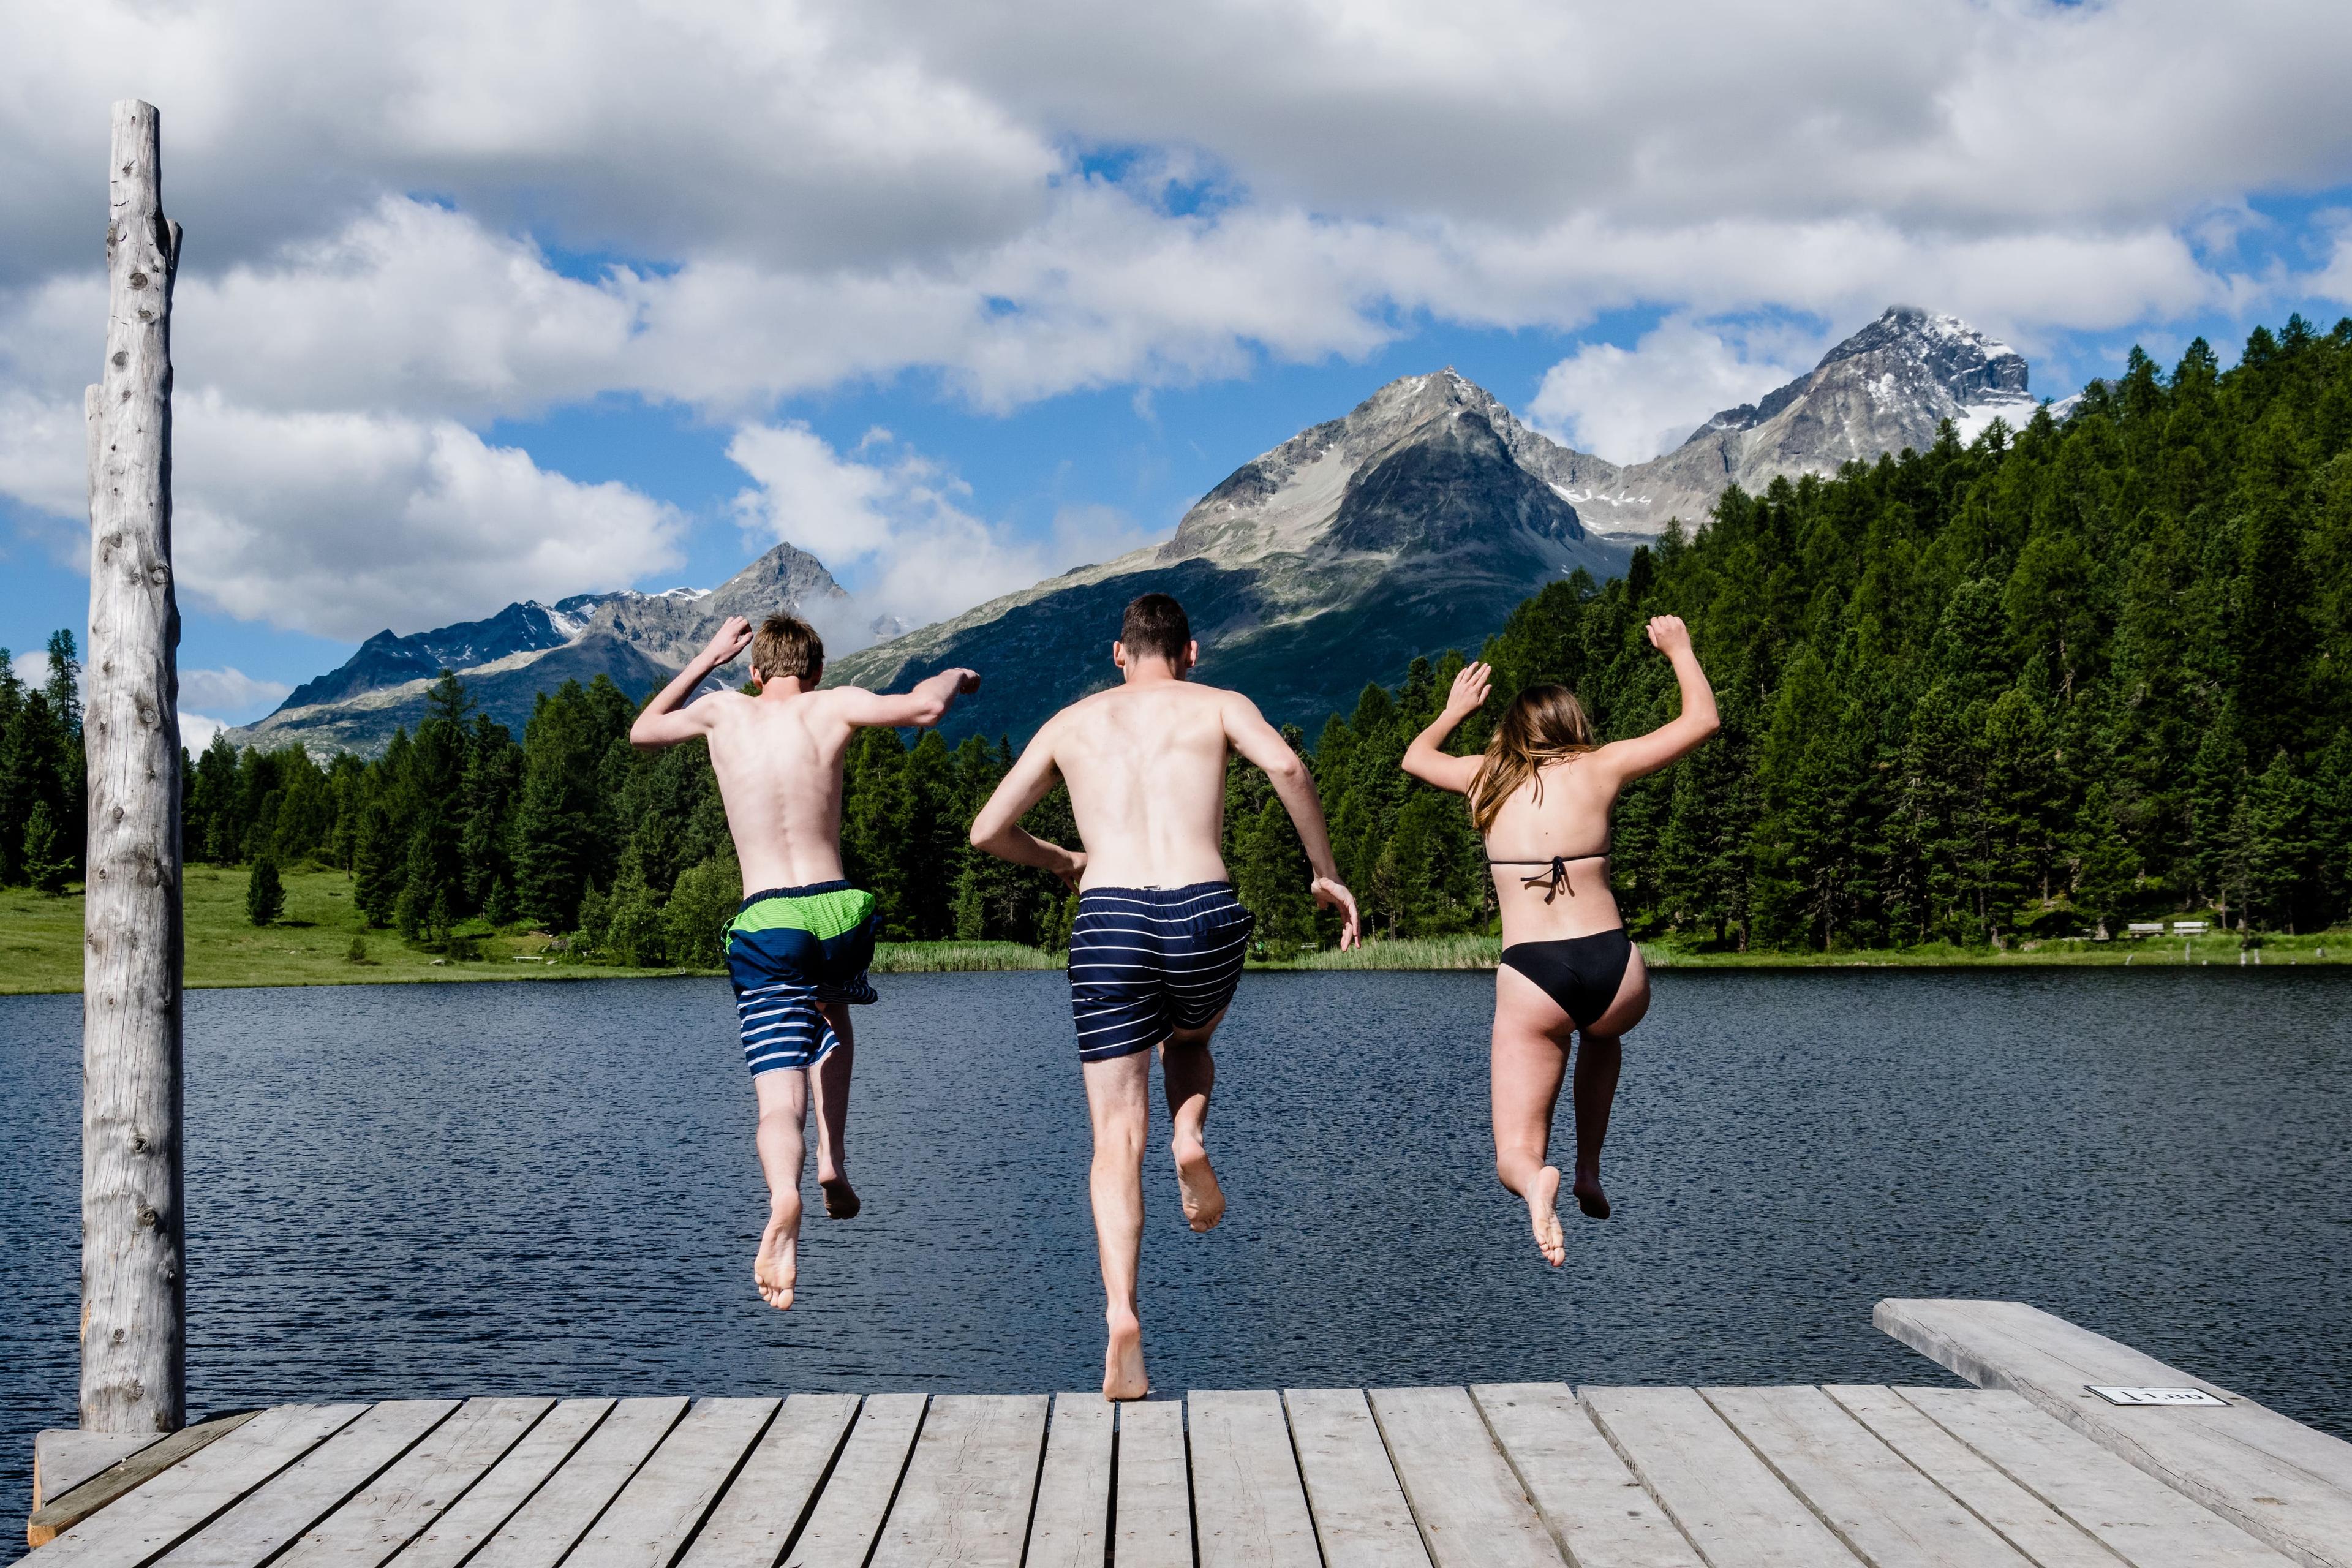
<point x="1542" y="799"/>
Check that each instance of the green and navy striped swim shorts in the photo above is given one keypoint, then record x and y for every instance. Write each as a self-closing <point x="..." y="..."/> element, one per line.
<point x="789" y="949"/>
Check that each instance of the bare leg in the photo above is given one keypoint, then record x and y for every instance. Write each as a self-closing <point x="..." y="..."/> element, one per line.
<point x="1118" y="1099"/>
<point x="1190" y="1073"/>
<point x="1599" y="1054"/>
<point x="783" y="1105"/>
<point x="1598" y="1057"/>
<point x="1529" y="1064"/>
<point x="832" y="1078"/>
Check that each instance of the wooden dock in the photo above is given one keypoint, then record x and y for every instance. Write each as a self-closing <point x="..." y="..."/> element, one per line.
<point x="2021" y="1471"/>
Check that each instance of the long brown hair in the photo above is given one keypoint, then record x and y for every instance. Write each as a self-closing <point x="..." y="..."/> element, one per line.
<point x="1543" y="725"/>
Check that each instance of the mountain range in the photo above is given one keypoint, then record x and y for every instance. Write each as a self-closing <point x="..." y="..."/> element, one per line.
<point x="1415" y="522"/>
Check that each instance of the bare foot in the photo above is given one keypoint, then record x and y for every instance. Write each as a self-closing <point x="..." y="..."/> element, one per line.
<point x="1196" y="1183"/>
<point x="1588" y="1196"/>
<point x="1543" y="1198"/>
<point x="1123" y="1375"/>
<point x="840" y="1198"/>
<point x="777" y="1268"/>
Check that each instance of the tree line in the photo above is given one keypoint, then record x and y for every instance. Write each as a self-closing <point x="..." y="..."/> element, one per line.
<point x="2039" y="683"/>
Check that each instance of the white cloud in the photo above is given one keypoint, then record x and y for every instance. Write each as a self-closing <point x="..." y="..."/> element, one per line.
<point x="893" y="524"/>
<point x="32" y="668"/>
<point x="231" y="690"/>
<point x="1629" y="405"/>
<point x="196" y="732"/>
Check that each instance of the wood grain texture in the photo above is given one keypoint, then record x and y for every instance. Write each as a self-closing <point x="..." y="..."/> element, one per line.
<point x="1736" y="1511"/>
<point x="2135" y="1516"/>
<point x="1071" y="1526"/>
<point x="543" y="1531"/>
<point x="663" y="1502"/>
<point x="848" y="1515"/>
<point x="277" y="1514"/>
<point x="1361" y="1518"/>
<point x="1597" y="1511"/>
<point x="1249" y="1508"/>
<point x="65" y="1458"/>
<point x="1471" y="1511"/>
<point x="2023" y="1519"/>
<point x="489" y="1502"/>
<point x="2288" y="1484"/>
<point x="392" y="1510"/>
<point x="183" y="1500"/>
<point x="133" y="1257"/>
<point x="1888" y="1512"/>
<point x="1153" y="1523"/>
<point x="759" y="1515"/>
<point x="965" y="1499"/>
<point x="149" y="1459"/>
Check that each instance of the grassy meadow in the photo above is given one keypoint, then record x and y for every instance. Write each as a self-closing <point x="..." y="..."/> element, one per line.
<point x="321" y="940"/>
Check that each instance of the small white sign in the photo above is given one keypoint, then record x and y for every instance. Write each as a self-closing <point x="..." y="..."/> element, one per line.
<point x="2154" y="1396"/>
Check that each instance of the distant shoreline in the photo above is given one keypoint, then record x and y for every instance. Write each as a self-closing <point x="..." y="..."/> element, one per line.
<point x="40" y="948"/>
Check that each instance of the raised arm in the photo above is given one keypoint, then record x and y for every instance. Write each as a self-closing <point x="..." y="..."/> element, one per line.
<point x="998" y="830"/>
<point x="1247" y="732"/>
<point x="1426" y="759"/>
<point x="1680" y="736"/>
<point x="920" y="708"/>
<point x="669" y="718"/>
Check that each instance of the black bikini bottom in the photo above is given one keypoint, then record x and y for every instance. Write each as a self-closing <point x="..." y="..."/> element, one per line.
<point x="1580" y="972"/>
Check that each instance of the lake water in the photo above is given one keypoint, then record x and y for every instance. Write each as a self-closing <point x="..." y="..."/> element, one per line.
<point x="550" y="1187"/>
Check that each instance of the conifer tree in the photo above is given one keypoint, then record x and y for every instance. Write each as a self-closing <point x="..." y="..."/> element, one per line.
<point x="264" y="895"/>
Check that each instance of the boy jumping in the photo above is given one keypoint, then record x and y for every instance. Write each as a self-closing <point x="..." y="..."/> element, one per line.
<point x="800" y="942"/>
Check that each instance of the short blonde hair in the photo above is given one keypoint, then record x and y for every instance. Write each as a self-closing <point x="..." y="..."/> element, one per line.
<point x="787" y="645"/>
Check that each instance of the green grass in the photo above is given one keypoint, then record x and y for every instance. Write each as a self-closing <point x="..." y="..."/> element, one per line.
<point x="40" y="947"/>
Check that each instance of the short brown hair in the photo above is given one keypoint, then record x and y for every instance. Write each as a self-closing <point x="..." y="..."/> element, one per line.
<point x="1155" y="624"/>
<point x="787" y="645"/>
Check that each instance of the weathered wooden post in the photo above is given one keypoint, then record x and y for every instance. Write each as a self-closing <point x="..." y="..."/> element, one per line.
<point x="133" y="1331"/>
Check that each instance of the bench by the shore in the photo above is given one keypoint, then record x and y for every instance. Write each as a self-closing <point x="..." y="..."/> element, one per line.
<point x="2029" y="1468"/>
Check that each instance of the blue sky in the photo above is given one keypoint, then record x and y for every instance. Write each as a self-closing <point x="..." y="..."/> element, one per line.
<point x="474" y="309"/>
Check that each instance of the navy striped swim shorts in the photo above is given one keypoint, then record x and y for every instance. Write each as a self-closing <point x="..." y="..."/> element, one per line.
<point x="1144" y="962"/>
<point x="789" y="949"/>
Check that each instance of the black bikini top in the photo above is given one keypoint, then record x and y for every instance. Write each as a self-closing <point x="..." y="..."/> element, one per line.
<point x="1555" y="872"/>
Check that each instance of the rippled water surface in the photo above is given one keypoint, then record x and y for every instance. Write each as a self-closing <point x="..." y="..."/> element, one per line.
<point x="550" y="1187"/>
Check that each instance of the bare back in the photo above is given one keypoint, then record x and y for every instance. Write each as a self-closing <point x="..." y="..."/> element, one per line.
<point x="1563" y="810"/>
<point x="779" y="766"/>
<point x="1145" y="763"/>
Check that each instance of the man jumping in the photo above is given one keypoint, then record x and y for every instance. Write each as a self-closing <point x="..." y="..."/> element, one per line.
<point x="800" y="942"/>
<point x="1159" y="942"/>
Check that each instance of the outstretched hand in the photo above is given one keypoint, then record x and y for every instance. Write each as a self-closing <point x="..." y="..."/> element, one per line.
<point x="1669" y="636"/>
<point x="1329" y="893"/>
<point x="1469" y="693"/>
<point x="733" y="636"/>
<point x="966" y="682"/>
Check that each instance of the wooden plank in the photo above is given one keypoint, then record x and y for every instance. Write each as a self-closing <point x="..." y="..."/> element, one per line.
<point x="2023" y="1519"/>
<point x="63" y="1459"/>
<point x="1071" y="1527"/>
<point x="2138" y="1517"/>
<point x="396" y="1505"/>
<point x="967" y="1492"/>
<point x="189" y="1495"/>
<point x="670" y="1494"/>
<point x="1249" y="1507"/>
<point x="276" y="1514"/>
<point x="1734" y="1511"/>
<point x="543" y="1530"/>
<point x="848" y="1515"/>
<point x="2282" y="1481"/>
<point x="491" y="1502"/>
<point x="1153" y="1524"/>
<point x="1361" y="1518"/>
<point x="1888" y="1512"/>
<point x="148" y="1461"/>
<point x="1596" y="1508"/>
<point x="1471" y="1507"/>
<point x="759" y="1512"/>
